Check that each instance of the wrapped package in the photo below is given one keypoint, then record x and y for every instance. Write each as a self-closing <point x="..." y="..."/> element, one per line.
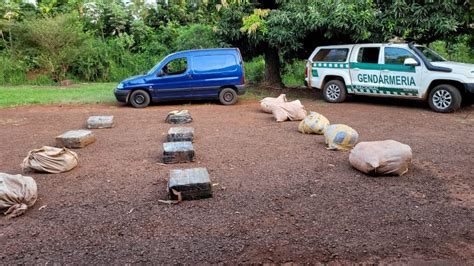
<point x="388" y="157"/>
<point x="314" y="123"/>
<point x="266" y="103"/>
<point x="50" y="160"/>
<point x="340" y="137"/>
<point x="289" y="110"/>
<point x="17" y="194"/>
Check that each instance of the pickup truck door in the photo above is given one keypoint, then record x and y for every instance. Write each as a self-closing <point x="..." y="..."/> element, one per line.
<point x="399" y="79"/>
<point x="364" y="69"/>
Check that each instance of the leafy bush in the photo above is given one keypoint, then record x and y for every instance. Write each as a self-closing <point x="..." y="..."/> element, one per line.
<point x="113" y="60"/>
<point x="293" y="73"/>
<point x="458" y="52"/>
<point x="93" y="64"/>
<point x="55" y="42"/>
<point x="255" y="70"/>
<point x="42" y="79"/>
<point x="12" y="71"/>
<point x="197" y="36"/>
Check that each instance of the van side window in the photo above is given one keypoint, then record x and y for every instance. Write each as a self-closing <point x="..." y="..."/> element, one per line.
<point x="368" y="55"/>
<point x="176" y="66"/>
<point x="331" y="55"/>
<point x="218" y="63"/>
<point x="397" y="55"/>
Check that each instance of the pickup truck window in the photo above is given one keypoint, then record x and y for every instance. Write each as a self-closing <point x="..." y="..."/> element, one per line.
<point x="368" y="55"/>
<point x="397" y="56"/>
<point x="331" y="55"/>
<point x="430" y="55"/>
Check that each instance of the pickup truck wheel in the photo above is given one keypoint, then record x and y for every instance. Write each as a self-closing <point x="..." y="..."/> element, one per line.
<point x="334" y="91"/>
<point x="140" y="99"/>
<point x="445" y="98"/>
<point x="228" y="96"/>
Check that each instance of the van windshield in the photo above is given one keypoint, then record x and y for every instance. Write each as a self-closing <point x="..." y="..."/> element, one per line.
<point x="155" y="68"/>
<point x="430" y="55"/>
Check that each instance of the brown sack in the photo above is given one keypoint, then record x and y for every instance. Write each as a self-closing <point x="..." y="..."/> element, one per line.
<point x="266" y="103"/>
<point x="289" y="110"/>
<point x="388" y="157"/>
<point x="50" y="159"/>
<point x="17" y="193"/>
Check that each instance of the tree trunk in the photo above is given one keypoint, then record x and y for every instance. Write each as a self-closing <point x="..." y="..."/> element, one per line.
<point x="272" y="68"/>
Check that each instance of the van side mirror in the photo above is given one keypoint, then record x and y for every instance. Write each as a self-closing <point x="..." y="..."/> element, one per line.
<point x="161" y="73"/>
<point x="410" y="62"/>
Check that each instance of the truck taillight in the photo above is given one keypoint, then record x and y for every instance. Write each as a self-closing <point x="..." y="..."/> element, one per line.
<point x="306" y="73"/>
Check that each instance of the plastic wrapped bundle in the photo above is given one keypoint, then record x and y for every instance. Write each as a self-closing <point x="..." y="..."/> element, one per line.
<point x="179" y="117"/>
<point x="314" y="123"/>
<point x="340" y="137"/>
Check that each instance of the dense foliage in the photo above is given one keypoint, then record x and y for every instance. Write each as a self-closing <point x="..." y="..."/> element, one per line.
<point x="108" y="40"/>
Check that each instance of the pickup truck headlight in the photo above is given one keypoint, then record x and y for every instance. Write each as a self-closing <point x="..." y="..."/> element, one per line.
<point x="120" y="86"/>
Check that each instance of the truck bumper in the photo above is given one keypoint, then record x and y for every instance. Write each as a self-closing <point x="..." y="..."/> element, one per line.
<point x="240" y="89"/>
<point x="469" y="87"/>
<point x="121" y="95"/>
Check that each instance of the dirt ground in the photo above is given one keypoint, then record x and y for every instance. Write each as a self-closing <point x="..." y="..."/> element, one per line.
<point x="279" y="195"/>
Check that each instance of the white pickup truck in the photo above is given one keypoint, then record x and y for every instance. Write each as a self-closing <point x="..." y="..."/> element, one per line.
<point x="394" y="70"/>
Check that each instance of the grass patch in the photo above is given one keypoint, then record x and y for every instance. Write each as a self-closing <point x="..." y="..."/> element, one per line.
<point x="83" y="93"/>
<point x="11" y="96"/>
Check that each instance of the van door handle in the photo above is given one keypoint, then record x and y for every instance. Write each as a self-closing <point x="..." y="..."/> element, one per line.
<point x="190" y="76"/>
<point x="385" y="70"/>
<point x="356" y="69"/>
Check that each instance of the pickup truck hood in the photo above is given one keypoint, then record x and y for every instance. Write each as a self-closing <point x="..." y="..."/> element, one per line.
<point x="460" y="68"/>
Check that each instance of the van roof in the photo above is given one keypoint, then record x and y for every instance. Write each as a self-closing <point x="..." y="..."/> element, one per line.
<point x="206" y="51"/>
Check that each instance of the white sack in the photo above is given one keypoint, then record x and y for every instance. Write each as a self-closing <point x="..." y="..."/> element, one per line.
<point x="388" y="157"/>
<point x="17" y="194"/>
<point x="289" y="110"/>
<point x="266" y="103"/>
<point x="50" y="159"/>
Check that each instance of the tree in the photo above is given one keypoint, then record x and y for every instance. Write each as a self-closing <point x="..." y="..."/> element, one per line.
<point x="9" y="14"/>
<point x="278" y="29"/>
<point x="245" y="25"/>
<point x="196" y="36"/>
<point x="54" y="41"/>
<point x="285" y="29"/>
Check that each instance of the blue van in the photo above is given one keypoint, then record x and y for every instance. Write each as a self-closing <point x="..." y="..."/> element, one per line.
<point x="193" y="74"/>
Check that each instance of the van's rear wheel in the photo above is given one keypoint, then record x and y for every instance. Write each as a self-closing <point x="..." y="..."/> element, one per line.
<point x="140" y="99"/>
<point x="228" y="96"/>
<point x="334" y="91"/>
<point x="445" y="98"/>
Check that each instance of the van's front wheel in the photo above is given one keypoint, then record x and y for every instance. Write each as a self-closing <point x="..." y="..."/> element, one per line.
<point x="334" y="91"/>
<point x="228" y="96"/>
<point x="140" y="99"/>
